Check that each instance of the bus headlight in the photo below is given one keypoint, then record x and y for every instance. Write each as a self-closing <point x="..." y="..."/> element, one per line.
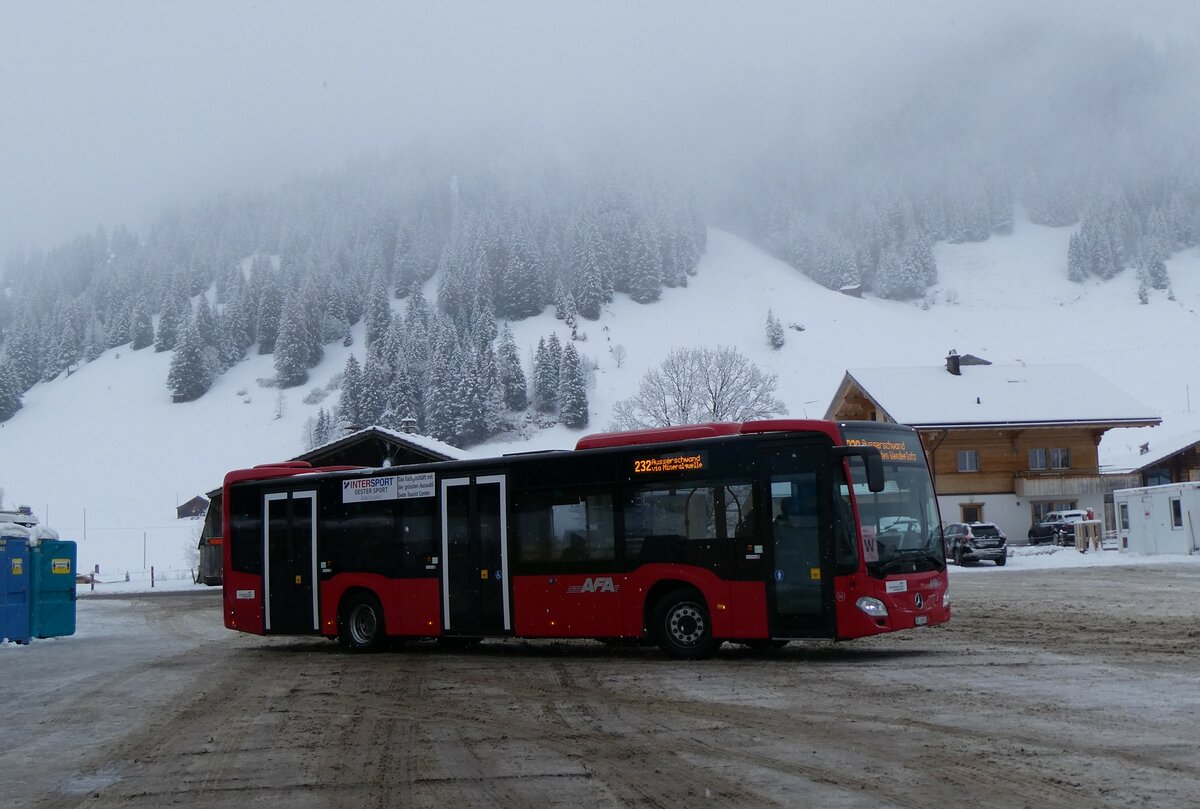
<point x="946" y="599"/>
<point x="872" y="606"/>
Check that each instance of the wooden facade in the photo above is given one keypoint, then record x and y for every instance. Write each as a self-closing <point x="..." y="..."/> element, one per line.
<point x="1003" y="460"/>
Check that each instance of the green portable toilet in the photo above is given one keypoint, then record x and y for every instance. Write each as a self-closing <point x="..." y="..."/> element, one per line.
<point x="14" y="588"/>
<point x="52" y="605"/>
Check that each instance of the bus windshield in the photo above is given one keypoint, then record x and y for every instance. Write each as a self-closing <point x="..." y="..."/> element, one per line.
<point x="900" y="525"/>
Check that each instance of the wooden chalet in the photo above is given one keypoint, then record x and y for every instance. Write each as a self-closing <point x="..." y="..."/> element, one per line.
<point x="1006" y="443"/>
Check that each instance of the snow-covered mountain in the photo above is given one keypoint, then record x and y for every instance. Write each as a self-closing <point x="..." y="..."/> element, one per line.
<point x="104" y="455"/>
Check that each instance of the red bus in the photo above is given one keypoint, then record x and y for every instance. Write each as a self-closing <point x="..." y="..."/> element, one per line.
<point x="756" y="533"/>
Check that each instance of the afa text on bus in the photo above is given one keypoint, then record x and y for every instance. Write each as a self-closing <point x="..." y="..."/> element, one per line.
<point x="754" y="533"/>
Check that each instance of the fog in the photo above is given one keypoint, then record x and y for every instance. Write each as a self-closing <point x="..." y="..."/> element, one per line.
<point x="112" y="112"/>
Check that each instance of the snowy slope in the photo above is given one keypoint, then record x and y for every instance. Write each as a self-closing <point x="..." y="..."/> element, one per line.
<point x="108" y="446"/>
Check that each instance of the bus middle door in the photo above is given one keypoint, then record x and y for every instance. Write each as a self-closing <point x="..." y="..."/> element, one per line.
<point x="290" y="563"/>
<point x="801" y="587"/>
<point x="475" y="592"/>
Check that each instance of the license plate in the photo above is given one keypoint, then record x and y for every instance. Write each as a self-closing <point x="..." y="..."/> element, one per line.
<point x="922" y="620"/>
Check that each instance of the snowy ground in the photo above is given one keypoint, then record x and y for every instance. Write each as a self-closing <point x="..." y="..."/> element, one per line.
<point x="1055" y="688"/>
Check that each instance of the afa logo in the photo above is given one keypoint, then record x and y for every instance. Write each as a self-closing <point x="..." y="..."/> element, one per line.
<point x="596" y="584"/>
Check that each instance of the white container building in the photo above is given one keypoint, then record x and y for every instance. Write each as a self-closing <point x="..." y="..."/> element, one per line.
<point x="1159" y="519"/>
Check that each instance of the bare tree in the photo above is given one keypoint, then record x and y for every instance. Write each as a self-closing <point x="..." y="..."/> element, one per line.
<point x="618" y="354"/>
<point x="698" y="385"/>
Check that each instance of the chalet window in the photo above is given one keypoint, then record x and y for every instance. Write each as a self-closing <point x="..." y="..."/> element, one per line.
<point x="968" y="460"/>
<point x="1039" y="459"/>
<point x="1060" y="458"/>
<point x="1176" y="512"/>
<point x="971" y="513"/>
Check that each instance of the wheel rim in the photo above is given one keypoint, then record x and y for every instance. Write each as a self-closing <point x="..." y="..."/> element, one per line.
<point x="686" y="624"/>
<point x="363" y="624"/>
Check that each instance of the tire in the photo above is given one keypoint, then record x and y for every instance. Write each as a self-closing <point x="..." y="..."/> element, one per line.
<point x="958" y="558"/>
<point x="1001" y="561"/>
<point x="682" y="626"/>
<point x="360" y="624"/>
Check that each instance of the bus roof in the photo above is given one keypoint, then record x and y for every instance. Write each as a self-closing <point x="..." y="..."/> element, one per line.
<point x="683" y="432"/>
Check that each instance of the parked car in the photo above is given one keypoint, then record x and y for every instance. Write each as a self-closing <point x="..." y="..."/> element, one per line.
<point x="1057" y="527"/>
<point x="974" y="542"/>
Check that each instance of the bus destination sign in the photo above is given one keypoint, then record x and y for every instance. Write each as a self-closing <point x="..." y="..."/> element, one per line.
<point x="686" y="462"/>
<point x="897" y="449"/>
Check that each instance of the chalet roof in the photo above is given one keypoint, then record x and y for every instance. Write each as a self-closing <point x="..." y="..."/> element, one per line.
<point x="369" y="446"/>
<point x="995" y="395"/>
<point x="1124" y="449"/>
<point x="434" y="449"/>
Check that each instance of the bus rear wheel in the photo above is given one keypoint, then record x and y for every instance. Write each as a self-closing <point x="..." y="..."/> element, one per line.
<point x="682" y="626"/>
<point x="360" y="624"/>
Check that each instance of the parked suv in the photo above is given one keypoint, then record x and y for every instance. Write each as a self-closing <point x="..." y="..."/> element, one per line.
<point x="1057" y="527"/>
<point x="975" y="541"/>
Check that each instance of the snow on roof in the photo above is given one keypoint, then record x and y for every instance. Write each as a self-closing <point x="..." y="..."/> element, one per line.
<point x="931" y="396"/>
<point x="1123" y="453"/>
<point x="425" y="442"/>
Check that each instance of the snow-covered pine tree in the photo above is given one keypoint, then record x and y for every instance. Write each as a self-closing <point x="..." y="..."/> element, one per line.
<point x="518" y="294"/>
<point x="589" y="279"/>
<point x="545" y="391"/>
<point x="372" y="393"/>
<point x="774" y="331"/>
<point x="645" y="271"/>
<point x="889" y="281"/>
<point x="512" y="377"/>
<point x="379" y="310"/>
<point x="291" y="347"/>
<point x="22" y="352"/>
<point x="189" y="377"/>
<point x="478" y="403"/>
<point x="443" y="410"/>
<point x="167" y="333"/>
<point x="206" y="322"/>
<point x="66" y="350"/>
<point x="268" y="311"/>
<point x="404" y="261"/>
<point x="553" y="362"/>
<point x="10" y="392"/>
<point x="572" y="390"/>
<point x="403" y="397"/>
<point x="94" y="339"/>
<point x="142" y="325"/>
<point x="560" y="300"/>
<point x="323" y="431"/>
<point x="348" y="400"/>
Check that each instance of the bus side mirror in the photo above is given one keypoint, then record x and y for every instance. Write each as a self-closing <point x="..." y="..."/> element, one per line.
<point x="872" y="460"/>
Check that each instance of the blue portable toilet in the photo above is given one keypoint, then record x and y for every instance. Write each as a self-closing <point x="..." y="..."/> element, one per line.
<point x="52" y="605"/>
<point x="14" y="588"/>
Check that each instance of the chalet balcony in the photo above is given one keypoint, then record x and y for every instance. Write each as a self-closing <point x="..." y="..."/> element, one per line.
<point x="1068" y="483"/>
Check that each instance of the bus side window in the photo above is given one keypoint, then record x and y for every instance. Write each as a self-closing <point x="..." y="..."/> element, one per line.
<point x="691" y="512"/>
<point x="567" y="526"/>
<point x="417" y="539"/>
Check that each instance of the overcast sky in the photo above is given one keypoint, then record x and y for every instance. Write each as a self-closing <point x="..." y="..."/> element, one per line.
<point x="109" y="111"/>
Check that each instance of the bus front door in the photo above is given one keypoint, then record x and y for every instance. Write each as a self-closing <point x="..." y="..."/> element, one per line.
<point x="290" y="563"/>
<point x="801" y="583"/>
<point x="475" y="593"/>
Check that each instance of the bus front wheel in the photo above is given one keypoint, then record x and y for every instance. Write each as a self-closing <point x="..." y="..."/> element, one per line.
<point x="360" y="624"/>
<point x="682" y="626"/>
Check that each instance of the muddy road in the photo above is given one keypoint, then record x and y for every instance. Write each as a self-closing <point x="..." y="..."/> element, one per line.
<point x="1051" y="688"/>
